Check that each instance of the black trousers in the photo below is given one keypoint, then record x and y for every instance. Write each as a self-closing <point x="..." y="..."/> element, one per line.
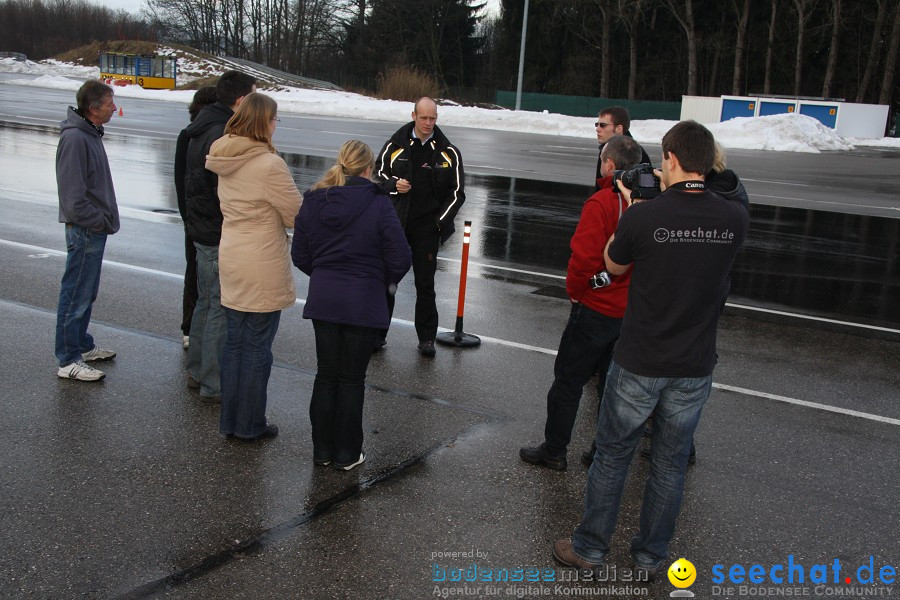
<point x="189" y="296"/>
<point x="424" y="243"/>
<point x="336" y="407"/>
<point x="586" y="346"/>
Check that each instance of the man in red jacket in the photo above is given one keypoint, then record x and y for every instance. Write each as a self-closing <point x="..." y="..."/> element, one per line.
<point x="587" y="342"/>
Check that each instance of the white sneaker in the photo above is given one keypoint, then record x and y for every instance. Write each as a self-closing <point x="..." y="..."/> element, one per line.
<point x="81" y="371"/>
<point x="98" y="353"/>
<point x="185" y="341"/>
<point x="359" y="461"/>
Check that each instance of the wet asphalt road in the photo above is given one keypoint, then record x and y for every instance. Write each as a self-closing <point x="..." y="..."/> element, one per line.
<point x="864" y="181"/>
<point x="125" y="489"/>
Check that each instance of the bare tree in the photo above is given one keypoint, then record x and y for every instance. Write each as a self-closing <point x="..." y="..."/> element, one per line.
<point x="739" y="49"/>
<point x="683" y="10"/>
<point x="590" y="22"/>
<point x="767" y="86"/>
<point x="607" y="18"/>
<point x="873" y="51"/>
<point x="804" y="9"/>
<point x="631" y="13"/>
<point x="891" y="64"/>
<point x="833" y="50"/>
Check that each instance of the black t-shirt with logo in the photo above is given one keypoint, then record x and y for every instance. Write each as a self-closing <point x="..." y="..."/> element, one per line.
<point x="682" y="245"/>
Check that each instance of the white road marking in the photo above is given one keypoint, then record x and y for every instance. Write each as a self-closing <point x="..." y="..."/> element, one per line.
<point x="826" y="202"/>
<point x="816" y="405"/>
<point x="720" y="386"/>
<point x="729" y="304"/>
<point x="776" y="182"/>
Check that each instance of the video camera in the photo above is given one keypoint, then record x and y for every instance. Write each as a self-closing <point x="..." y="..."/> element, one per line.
<point x="640" y="180"/>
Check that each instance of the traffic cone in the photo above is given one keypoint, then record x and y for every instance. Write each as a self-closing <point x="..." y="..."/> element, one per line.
<point x="120" y="112"/>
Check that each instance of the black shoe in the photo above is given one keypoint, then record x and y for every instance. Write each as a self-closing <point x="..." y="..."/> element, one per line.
<point x="587" y="457"/>
<point x="538" y="456"/>
<point x="426" y="348"/>
<point x="269" y="432"/>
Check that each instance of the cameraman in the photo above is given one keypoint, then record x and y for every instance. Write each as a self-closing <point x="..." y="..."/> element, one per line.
<point x="593" y="327"/>
<point x="679" y="248"/>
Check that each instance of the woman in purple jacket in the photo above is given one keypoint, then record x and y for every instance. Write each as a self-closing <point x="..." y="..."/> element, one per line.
<point x="348" y="239"/>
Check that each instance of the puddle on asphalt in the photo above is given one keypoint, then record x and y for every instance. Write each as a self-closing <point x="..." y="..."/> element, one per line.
<point x="831" y="264"/>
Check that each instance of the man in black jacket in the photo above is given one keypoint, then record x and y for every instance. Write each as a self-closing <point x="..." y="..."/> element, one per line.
<point x="202" y="97"/>
<point x="613" y="120"/>
<point x="204" y="227"/>
<point x="423" y="172"/>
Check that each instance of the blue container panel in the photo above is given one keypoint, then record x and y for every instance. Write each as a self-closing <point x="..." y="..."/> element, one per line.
<point x="737" y="108"/>
<point x="827" y="114"/>
<point x="774" y="108"/>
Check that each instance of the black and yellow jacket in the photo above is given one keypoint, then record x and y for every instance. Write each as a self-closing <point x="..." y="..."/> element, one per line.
<point x="447" y="176"/>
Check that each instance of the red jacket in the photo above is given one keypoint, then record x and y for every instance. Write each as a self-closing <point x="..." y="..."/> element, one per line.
<point x="599" y="219"/>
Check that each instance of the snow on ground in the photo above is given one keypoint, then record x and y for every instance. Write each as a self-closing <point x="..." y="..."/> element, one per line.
<point x="784" y="133"/>
<point x="47" y="67"/>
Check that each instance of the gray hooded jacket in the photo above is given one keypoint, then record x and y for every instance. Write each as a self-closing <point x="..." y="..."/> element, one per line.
<point x="83" y="179"/>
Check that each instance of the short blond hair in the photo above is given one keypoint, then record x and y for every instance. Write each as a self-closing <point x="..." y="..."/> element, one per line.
<point x="720" y="162"/>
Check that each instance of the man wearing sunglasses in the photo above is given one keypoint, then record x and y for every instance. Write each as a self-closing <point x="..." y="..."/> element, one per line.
<point x="613" y="120"/>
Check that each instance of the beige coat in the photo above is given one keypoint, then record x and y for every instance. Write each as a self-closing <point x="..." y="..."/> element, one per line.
<point x="259" y="200"/>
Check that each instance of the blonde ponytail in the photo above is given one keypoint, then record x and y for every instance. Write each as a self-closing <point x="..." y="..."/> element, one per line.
<point x="353" y="159"/>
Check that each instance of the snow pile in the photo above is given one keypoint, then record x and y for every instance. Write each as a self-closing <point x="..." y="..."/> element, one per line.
<point x="783" y="133"/>
<point x="787" y="133"/>
<point x="47" y="67"/>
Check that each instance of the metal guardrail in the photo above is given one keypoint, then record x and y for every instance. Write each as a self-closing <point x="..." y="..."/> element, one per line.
<point x="285" y="77"/>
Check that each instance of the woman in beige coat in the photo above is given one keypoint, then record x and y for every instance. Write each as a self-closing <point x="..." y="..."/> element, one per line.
<point x="259" y="200"/>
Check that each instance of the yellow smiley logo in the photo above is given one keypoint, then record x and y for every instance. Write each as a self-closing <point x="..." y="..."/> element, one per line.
<point x="682" y="573"/>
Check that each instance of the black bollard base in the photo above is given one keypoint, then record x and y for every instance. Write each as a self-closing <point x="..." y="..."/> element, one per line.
<point x="458" y="338"/>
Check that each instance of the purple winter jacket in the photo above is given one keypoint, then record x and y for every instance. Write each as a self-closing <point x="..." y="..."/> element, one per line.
<point x="349" y="241"/>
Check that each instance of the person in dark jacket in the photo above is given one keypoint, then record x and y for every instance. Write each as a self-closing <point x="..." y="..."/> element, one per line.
<point x="612" y="120"/>
<point x="725" y="182"/>
<point x="348" y="239"/>
<point x="87" y="206"/>
<point x="202" y="97"/>
<point x="423" y="172"/>
<point x="204" y="227"/>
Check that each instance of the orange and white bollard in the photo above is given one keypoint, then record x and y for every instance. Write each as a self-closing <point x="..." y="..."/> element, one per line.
<point x="457" y="337"/>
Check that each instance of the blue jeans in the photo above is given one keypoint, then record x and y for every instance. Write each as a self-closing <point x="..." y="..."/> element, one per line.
<point x="208" y="324"/>
<point x="246" y="365"/>
<point x="80" y="284"/>
<point x="336" y="407"/>
<point x="627" y="403"/>
<point x="586" y="345"/>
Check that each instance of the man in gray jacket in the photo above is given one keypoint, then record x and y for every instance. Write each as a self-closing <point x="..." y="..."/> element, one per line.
<point x="87" y="206"/>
